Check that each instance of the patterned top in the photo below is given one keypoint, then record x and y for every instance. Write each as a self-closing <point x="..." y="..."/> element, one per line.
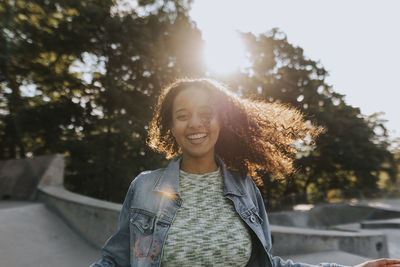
<point x="206" y="230"/>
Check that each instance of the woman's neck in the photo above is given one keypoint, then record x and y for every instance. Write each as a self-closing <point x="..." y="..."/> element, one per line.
<point x="198" y="165"/>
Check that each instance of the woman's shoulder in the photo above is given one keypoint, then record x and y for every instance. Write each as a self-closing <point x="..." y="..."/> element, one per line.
<point x="246" y="182"/>
<point x="150" y="173"/>
<point x="146" y="178"/>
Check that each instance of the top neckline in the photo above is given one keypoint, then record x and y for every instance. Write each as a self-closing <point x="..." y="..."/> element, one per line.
<point x="200" y="174"/>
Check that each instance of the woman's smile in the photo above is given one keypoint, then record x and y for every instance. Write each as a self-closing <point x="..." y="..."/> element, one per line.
<point x="197" y="138"/>
<point x="195" y="126"/>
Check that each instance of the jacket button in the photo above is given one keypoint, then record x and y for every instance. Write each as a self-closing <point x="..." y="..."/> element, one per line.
<point x="145" y="226"/>
<point x="252" y="219"/>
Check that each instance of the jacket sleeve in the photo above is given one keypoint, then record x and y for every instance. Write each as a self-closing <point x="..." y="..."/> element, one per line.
<point x="276" y="260"/>
<point x="116" y="250"/>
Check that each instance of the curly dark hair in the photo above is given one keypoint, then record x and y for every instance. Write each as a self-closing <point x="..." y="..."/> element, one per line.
<point x="254" y="134"/>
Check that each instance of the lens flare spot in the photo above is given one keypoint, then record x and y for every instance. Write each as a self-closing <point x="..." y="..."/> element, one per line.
<point x="169" y="192"/>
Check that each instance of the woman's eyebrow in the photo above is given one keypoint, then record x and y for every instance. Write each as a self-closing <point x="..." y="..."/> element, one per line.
<point x="201" y="107"/>
<point x="180" y="109"/>
<point x="206" y="106"/>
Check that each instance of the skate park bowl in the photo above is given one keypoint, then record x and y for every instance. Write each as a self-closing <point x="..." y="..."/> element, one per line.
<point x="346" y="233"/>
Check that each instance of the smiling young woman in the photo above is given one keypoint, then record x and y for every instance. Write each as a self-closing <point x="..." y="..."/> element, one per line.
<point x="195" y="128"/>
<point x="205" y="209"/>
<point x="252" y="134"/>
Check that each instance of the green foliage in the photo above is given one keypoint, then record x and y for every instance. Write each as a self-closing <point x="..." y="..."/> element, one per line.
<point x="81" y="78"/>
<point x="95" y="76"/>
<point x="353" y="151"/>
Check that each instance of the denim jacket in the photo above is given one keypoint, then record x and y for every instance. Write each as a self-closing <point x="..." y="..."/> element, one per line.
<point x="151" y="204"/>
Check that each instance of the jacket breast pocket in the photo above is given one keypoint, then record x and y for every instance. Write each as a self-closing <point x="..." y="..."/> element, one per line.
<point x="141" y="232"/>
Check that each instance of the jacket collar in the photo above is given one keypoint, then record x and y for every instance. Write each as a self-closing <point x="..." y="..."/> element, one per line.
<point x="168" y="182"/>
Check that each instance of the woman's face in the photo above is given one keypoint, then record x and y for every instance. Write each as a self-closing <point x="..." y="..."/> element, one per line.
<point x="195" y="124"/>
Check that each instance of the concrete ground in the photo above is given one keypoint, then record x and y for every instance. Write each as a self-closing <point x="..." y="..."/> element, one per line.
<point x="32" y="235"/>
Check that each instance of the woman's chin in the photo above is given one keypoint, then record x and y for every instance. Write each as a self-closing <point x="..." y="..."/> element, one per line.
<point x="199" y="153"/>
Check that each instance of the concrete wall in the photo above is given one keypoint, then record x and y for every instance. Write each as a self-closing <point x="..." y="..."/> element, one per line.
<point x="293" y="240"/>
<point x="20" y="177"/>
<point x="331" y="214"/>
<point x="42" y="178"/>
<point x="96" y="220"/>
<point x="379" y="224"/>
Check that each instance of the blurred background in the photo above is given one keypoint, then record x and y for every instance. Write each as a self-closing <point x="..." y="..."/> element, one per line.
<point x="78" y="84"/>
<point x="80" y="78"/>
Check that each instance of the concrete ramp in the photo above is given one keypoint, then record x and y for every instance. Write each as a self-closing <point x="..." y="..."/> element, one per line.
<point x="339" y="257"/>
<point x="32" y="235"/>
<point x="392" y="234"/>
<point x="19" y="178"/>
<point x="294" y="241"/>
<point x="378" y="224"/>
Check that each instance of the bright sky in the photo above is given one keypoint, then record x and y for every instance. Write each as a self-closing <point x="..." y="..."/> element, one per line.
<point x="357" y="41"/>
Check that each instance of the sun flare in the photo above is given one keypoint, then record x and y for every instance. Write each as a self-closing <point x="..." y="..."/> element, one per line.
<point x="225" y="53"/>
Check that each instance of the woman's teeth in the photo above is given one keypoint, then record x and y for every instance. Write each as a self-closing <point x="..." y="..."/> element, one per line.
<point x="196" y="136"/>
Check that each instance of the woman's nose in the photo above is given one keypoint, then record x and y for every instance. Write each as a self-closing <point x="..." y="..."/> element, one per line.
<point x="195" y="121"/>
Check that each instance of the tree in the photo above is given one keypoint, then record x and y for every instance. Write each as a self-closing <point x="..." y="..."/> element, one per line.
<point x="351" y="154"/>
<point x="81" y="78"/>
<point x="95" y="76"/>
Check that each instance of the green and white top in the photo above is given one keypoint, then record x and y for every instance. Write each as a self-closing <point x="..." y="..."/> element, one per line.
<point x="206" y="230"/>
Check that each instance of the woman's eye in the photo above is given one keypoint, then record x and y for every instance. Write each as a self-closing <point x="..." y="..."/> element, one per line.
<point x="182" y="117"/>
